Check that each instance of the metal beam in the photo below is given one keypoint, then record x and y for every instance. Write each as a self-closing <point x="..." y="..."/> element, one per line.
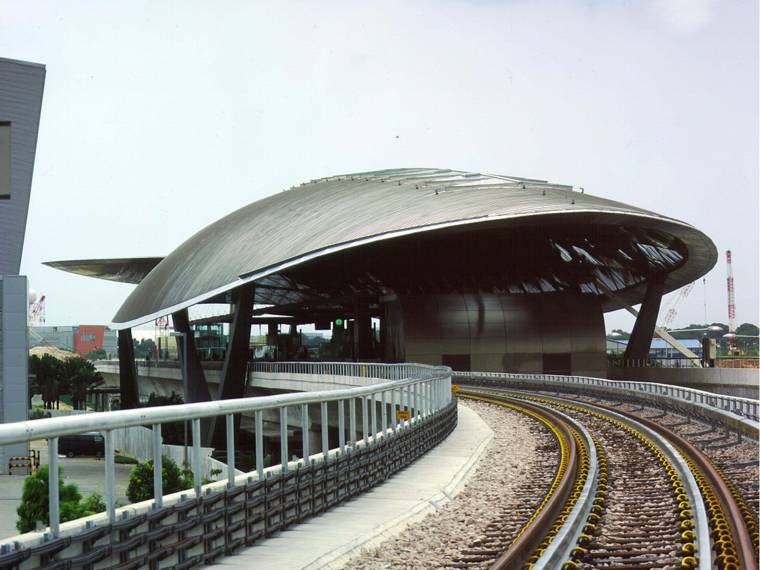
<point x="130" y="396"/>
<point x="233" y="380"/>
<point x="665" y="335"/>
<point x="643" y="329"/>
<point x="194" y="383"/>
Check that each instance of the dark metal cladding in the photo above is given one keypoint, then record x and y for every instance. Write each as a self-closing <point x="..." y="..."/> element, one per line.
<point x="335" y="214"/>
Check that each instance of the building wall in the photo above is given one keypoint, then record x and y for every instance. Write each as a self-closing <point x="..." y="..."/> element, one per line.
<point x="88" y="338"/>
<point x="70" y="338"/>
<point x="547" y="333"/>
<point x="14" y="360"/>
<point x="59" y="337"/>
<point x="21" y="86"/>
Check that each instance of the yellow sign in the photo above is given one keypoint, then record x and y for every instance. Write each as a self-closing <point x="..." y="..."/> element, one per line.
<point x="403" y="415"/>
<point x="454" y="388"/>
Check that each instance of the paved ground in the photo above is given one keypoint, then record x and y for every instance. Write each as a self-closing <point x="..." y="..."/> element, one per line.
<point x="329" y="540"/>
<point x="87" y="472"/>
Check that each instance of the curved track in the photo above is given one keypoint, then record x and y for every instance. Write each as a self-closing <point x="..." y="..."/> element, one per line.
<point x="643" y="511"/>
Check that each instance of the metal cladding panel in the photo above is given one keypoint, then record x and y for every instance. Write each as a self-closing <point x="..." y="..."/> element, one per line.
<point x="331" y="214"/>
<point x="131" y="270"/>
<point x="21" y="86"/>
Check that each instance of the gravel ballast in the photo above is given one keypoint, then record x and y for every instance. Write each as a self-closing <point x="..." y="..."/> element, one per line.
<point x="505" y="483"/>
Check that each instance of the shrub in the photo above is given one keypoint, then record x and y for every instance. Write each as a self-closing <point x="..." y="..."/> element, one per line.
<point x="92" y="505"/>
<point x="35" y="497"/>
<point x="39" y="415"/>
<point x="140" y="486"/>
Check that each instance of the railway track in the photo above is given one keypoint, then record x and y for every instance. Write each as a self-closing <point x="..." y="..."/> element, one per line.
<point x="656" y="502"/>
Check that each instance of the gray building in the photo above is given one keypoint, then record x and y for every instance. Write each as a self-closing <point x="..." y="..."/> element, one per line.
<point x="21" y="87"/>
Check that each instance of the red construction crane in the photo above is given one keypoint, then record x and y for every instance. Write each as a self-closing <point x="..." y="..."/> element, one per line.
<point x="37" y="311"/>
<point x="671" y="314"/>
<point x="731" y="336"/>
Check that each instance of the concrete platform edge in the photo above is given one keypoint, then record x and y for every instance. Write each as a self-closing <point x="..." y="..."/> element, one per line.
<point x="338" y="557"/>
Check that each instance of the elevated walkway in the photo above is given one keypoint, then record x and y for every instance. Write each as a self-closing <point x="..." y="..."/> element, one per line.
<point x="329" y="540"/>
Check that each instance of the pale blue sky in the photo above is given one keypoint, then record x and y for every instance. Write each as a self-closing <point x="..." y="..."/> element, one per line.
<point x="159" y="118"/>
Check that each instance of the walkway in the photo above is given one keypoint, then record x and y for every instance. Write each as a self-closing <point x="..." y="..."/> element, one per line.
<point x="329" y="540"/>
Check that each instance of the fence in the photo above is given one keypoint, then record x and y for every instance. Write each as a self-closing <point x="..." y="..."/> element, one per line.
<point x="681" y="362"/>
<point x="424" y="396"/>
<point x="744" y="407"/>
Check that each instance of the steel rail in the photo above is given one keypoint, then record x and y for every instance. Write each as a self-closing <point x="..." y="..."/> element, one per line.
<point x="740" y="532"/>
<point x="532" y="534"/>
<point x="746" y="551"/>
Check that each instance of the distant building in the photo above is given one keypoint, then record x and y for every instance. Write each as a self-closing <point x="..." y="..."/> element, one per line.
<point x="659" y="347"/>
<point x="81" y="339"/>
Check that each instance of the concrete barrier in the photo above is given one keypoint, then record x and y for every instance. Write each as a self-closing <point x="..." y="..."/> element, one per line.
<point x="738" y="382"/>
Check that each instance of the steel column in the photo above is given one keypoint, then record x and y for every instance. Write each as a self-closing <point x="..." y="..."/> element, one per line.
<point x="342" y="426"/>
<point x="158" y="484"/>
<point x="229" y="420"/>
<point x="130" y="396"/>
<point x="325" y="419"/>
<point x="284" y="438"/>
<point x="55" y="509"/>
<point x="259" y="427"/>
<point x="643" y="329"/>
<point x="197" y="472"/>
<point x="365" y="421"/>
<point x="233" y="380"/>
<point x="352" y="422"/>
<point x="384" y="415"/>
<point x="305" y="433"/>
<point x="110" y="476"/>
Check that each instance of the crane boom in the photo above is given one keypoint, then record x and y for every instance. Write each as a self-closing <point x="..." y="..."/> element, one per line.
<point x="671" y="314"/>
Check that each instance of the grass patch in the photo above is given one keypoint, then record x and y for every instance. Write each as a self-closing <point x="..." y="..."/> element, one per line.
<point x="124" y="460"/>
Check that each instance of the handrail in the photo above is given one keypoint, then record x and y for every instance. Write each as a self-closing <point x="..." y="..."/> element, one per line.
<point x="358" y="369"/>
<point x="421" y="396"/>
<point x="741" y="406"/>
<point x="19" y="432"/>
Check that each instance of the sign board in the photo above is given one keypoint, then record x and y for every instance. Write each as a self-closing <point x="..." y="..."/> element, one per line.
<point x="403" y="415"/>
<point x="454" y="388"/>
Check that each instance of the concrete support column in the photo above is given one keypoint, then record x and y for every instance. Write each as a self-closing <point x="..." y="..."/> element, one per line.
<point x="130" y="396"/>
<point x="392" y="329"/>
<point x="362" y="327"/>
<point x="643" y="330"/>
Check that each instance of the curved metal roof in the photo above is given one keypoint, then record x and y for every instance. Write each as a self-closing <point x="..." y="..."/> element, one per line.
<point x="333" y="214"/>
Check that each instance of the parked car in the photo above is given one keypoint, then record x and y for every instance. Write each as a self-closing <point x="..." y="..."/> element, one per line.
<point x="83" y="444"/>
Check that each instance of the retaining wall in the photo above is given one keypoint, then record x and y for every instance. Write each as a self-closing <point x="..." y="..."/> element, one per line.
<point x="739" y="382"/>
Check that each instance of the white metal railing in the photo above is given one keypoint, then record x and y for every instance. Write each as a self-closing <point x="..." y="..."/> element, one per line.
<point x="357" y="369"/>
<point x="741" y="406"/>
<point x="423" y="395"/>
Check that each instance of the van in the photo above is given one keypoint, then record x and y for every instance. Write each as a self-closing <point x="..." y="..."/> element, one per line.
<point x="91" y="443"/>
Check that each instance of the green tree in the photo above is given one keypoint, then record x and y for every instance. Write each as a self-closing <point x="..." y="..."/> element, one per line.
<point x="173" y="433"/>
<point x="98" y="354"/>
<point x="80" y="375"/>
<point x="144" y="348"/>
<point x="140" y="486"/>
<point x="48" y="378"/>
<point x="35" y="498"/>
<point x="747" y="329"/>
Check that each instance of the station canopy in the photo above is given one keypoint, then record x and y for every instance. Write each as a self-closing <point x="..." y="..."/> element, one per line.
<point x="312" y="249"/>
